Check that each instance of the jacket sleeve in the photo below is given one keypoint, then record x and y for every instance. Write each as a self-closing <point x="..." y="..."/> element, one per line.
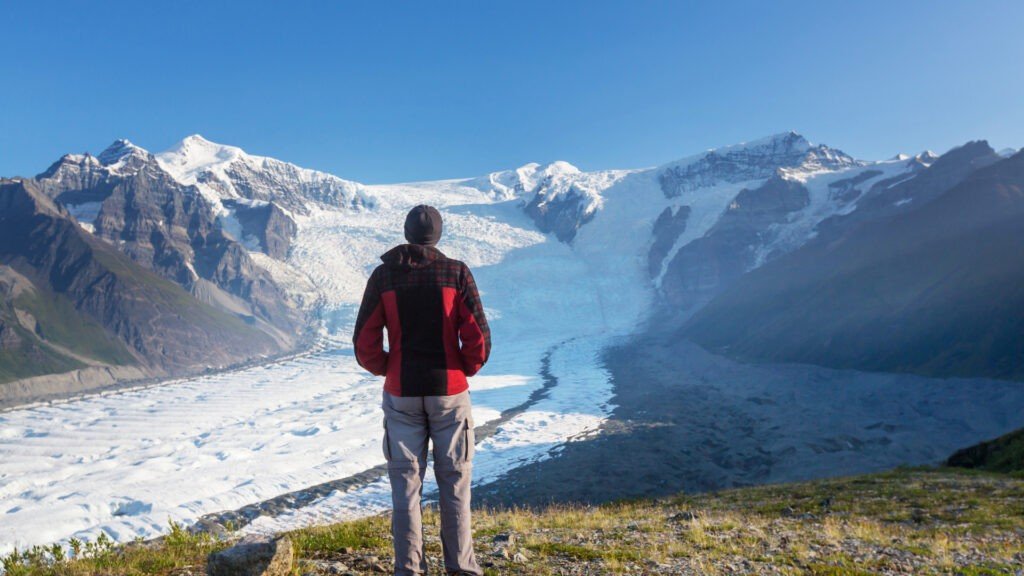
<point x="368" y="335"/>
<point x="474" y="333"/>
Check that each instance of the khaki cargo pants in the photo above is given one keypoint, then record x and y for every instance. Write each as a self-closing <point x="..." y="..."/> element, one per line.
<point x="447" y="421"/>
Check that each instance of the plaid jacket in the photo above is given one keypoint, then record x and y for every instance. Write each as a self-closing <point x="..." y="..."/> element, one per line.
<point x="429" y="304"/>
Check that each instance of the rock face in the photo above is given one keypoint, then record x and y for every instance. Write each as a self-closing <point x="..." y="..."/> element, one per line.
<point x="557" y="196"/>
<point x="125" y="197"/>
<point x="906" y="193"/>
<point x="925" y="277"/>
<point x="81" y="302"/>
<point x="253" y="556"/>
<point x="750" y="161"/>
<point x="669" y="226"/>
<point x="729" y="249"/>
<point x="265" y="226"/>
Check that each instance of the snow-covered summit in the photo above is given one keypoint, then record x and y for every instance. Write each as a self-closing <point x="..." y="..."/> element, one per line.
<point x="525" y="179"/>
<point x="124" y="157"/>
<point x="747" y="161"/>
<point x="558" y="196"/>
<point x="224" y="172"/>
<point x="118" y="150"/>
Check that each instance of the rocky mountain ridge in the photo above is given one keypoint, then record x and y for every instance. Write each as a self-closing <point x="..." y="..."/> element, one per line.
<point x="125" y="197"/>
<point x="73" y="301"/>
<point x="924" y="277"/>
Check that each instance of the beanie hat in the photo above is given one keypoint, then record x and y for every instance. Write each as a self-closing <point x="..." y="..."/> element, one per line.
<point x="423" y="225"/>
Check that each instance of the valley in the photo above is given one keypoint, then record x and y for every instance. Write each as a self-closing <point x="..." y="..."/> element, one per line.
<point x="593" y="391"/>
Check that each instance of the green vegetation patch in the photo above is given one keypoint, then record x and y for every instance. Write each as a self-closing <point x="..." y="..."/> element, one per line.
<point x="60" y="323"/>
<point x="1004" y="454"/>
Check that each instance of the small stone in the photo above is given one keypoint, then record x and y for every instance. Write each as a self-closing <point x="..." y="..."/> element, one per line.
<point x="506" y="538"/>
<point x="918" y="515"/>
<point x="519" y="558"/>
<point x="684" y="516"/>
<point x="501" y="552"/>
<point x="336" y="568"/>
<point x="378" y="567"/>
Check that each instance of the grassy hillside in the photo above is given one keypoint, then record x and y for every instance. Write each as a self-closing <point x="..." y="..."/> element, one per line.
<point x="58" y="328"/>
<point x="921" y="521"/>
<point x="31" y="358"/>
<point x="1004" y="454"/>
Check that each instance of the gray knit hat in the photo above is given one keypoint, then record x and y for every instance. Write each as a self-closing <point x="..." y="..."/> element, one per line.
<point x="423" y="225"/>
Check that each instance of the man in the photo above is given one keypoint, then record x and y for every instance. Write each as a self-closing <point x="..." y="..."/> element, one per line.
<point x="429" y="304"/>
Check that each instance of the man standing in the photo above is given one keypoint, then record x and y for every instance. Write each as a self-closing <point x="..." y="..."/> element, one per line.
<point x="429" y="304"/>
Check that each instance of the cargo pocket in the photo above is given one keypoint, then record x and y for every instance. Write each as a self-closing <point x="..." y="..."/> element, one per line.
<point x="469" y="441"/>
<point x="386" y="443"/>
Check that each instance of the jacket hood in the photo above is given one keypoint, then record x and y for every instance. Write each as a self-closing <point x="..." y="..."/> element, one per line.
<point x="409" y="256"/>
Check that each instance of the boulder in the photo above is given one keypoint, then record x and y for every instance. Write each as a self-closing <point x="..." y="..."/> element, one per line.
<point x="253" y="556"/>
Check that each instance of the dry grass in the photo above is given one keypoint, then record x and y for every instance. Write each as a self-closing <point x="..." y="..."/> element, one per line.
<point x="902" y="522"/>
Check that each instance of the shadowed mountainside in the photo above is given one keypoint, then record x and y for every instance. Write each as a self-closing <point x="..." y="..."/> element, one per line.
<point x="931" y="283"/>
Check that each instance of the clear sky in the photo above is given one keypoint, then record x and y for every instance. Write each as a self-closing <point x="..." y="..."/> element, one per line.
<point x="400" y="91"/>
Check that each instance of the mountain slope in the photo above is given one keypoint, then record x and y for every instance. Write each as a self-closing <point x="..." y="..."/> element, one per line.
<point x="77" y="298"/>
<point x="934" y="284"/>
<point x="125" y="197"/>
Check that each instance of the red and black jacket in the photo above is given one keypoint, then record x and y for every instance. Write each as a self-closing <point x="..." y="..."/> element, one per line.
<point x="429" y="304"/>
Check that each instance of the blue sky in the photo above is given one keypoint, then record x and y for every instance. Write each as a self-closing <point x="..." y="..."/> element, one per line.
<point x="387" y="92"/>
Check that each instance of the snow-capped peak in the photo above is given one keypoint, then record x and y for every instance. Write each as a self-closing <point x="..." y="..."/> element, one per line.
<point x="198" y="151"/>
<point x="228" y="172"/>
<point x="752" y="160"/>
<point x="117" y="151"/>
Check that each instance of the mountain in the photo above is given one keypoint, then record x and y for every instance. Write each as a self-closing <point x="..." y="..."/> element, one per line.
<point x="925" y="276"/>
<point x="733" y="209"/>
<point x="228" y="173"/>
<point x="73" y="303"/>
<point x="754" y="160"/>
<point x="125" y="197"/>
<point x="241" y="233"/>
<point x="557" y="196"/>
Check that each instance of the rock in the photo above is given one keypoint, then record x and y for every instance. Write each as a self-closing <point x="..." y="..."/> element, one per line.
<point x="520" y="558"/>
<point x="327" y="567"/>
<point x="684" y="516"/>
<point x="506" y="538"/>
<point x="253" y="556"/>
